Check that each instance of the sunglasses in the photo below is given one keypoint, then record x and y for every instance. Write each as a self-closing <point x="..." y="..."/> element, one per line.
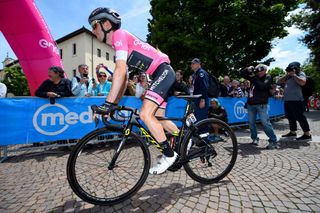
<point x="94" y="24"/>
<point x="102" y="76"/>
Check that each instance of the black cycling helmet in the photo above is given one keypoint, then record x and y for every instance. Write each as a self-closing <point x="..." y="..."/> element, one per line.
<point x="103" y="13"/>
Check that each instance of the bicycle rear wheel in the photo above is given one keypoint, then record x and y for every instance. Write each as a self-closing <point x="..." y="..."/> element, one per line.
<point x="210" y="154"/>
<point x="88" y="168"/>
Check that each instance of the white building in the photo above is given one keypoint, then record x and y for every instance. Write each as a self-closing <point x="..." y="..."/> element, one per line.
<point x="81" y="47"/>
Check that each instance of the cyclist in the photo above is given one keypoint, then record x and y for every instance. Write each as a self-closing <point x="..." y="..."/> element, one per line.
<point x="135" y="55"/>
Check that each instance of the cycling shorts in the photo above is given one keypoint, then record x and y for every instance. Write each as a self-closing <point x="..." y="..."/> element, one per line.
<point x="163" y="81"/>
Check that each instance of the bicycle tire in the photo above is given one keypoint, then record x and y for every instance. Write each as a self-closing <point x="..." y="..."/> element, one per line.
<point x="87" y="150"/>
<point x="227" y="161"/>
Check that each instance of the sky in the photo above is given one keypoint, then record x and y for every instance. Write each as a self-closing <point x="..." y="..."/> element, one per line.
<point x="64" y="17"/>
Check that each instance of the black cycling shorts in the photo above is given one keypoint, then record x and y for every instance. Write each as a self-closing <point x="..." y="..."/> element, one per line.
<point x="163" y="80"/>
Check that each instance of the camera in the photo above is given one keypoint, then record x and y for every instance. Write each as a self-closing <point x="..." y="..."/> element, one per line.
<point x="293" y="67"/>
<point x="248" y="71"/>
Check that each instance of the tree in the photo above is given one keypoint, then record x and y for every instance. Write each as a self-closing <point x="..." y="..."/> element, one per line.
<point x="309" y="21"/>
<point x="310" y="70"/>
<point x="226" y="34"/>
<point x="16" y="81"/>
<point x="276" y="73"/>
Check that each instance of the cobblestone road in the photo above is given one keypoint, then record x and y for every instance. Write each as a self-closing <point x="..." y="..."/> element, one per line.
<point x="283" y="180"/>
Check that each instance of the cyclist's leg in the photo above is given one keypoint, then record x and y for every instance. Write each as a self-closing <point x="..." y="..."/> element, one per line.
<point x="163" y="80"/>
<point x="147" y="115"/>
<point x="168" y="125"/>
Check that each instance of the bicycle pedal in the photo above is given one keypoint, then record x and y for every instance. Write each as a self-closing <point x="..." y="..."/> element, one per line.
<point x="176" y="165"/>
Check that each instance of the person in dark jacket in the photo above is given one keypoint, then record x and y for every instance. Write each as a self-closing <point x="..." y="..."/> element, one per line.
<point x="200" y="86"/>
<point x="56" y="86"/>
<point x="257" y="103"/>
<point x="180" y="87"/>
<point x="218" y="112"/>
<point x="225" y="86"/>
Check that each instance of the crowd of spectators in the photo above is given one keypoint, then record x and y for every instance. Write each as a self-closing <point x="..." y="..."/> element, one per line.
<point x="84" y="85"/>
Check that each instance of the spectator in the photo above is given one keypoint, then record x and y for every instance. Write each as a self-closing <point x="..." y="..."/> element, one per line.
<point x="235" y="91"/>
<point x="225" y="86"/>
<point x="56" y="86"/>
<point x="141" y="86"/>
<point x="131" y="85"/>
<point x="190" y="84"/>
<point x="257" y="103"/>
<point x="82" y="85"/>
<point x="243" y="89"/>
<point x="218" y="112"/>
<point x="3" y="90"/>
<point x="273" y="90"/>
<point x="180" y="87"/>
<point x="103" y="88"/>
<point x="247" y="85"/>
<point x="200" y="85"/>
<point x="294" y="102"/>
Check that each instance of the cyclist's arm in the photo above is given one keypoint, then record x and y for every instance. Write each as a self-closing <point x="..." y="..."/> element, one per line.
<point x="118" y="82"/>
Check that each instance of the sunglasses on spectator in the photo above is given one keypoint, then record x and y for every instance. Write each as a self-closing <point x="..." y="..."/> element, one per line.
<point x="102" y="76"/>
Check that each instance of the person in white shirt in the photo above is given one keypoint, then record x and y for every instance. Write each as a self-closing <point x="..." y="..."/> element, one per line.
<point x="82" y="85"/>
<point x="3" y="90"/>
<point x="141" y="86"/>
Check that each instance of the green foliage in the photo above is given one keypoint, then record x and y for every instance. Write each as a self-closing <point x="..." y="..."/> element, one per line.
<point x="16" y="81"/>
<point x="276" y="73"/>
<point x="309" y="21"/>
<point x="311" y="70"/>
<point x="226" y="34"/>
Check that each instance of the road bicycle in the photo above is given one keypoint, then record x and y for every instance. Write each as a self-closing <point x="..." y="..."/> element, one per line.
<point x="110" y="164"/>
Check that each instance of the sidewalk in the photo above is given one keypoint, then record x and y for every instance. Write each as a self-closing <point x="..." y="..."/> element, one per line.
<point x="283" y="180"/>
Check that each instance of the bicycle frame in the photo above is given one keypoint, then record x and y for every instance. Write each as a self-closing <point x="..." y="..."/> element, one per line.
<point x="134" y="121"/>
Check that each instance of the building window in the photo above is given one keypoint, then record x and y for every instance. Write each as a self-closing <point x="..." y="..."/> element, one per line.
<point x="61" y="53"/>
<point x="107" y="56"/>
<point x="74" y="49"/>
<point x="114" y="59"/>
<point x="99" y="53"/>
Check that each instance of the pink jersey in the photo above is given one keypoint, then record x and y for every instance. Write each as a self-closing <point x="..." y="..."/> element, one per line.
<point x="140" y="56"/>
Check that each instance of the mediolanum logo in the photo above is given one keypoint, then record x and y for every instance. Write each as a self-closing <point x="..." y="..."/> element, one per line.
<point x="54" y="119"/>
<point x="239" y="110"/>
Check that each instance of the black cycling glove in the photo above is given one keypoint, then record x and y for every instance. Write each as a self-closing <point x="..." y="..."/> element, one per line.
<point x="105" y="108"/>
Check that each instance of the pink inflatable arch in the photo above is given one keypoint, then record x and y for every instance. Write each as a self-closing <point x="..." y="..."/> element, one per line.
<point x="28" y="35"/>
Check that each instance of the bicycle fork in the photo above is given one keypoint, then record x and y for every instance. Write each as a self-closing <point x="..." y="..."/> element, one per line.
<point x="112" y="164"/>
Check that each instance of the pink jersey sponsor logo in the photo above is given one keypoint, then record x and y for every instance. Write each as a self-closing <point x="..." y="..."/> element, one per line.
<point x="142" y="45"/>
<point x="118" y="44"/>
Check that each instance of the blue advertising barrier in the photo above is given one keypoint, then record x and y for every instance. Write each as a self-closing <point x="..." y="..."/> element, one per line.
<point x="29" y="120"/>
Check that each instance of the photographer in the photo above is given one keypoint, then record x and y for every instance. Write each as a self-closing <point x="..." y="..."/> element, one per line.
<point x="257" y="102"/>
<point x="82" y="85"/>
<point x="294" y="102"/>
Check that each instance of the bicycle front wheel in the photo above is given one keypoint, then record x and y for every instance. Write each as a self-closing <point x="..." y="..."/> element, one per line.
<point x="90" y="174"/>
<point x="210" y="151"/>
